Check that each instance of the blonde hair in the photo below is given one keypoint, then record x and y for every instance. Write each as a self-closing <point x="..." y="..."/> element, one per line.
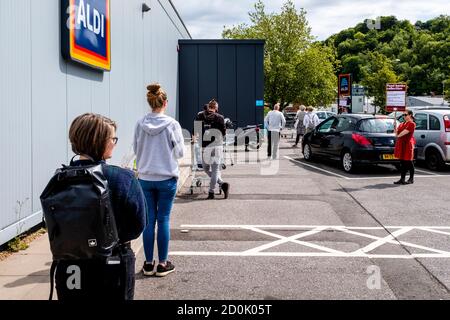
<point x="311" y="109"/>
<point x="156" y="96"/>
<point x="302" y="108"/>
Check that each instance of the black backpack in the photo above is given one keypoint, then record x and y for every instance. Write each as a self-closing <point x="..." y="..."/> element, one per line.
<point x="79" y="216"/>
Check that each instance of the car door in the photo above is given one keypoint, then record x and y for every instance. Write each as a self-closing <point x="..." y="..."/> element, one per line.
<point x="319" y="140"/>
<point x="336" y="136"/>
<point x="434" y="131"/>
<point x="421" y="134"/>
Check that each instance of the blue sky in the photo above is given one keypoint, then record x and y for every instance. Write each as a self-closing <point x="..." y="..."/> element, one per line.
<point x="205" y="19"/>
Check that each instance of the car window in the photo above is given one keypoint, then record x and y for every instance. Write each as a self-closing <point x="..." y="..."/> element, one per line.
<point x="329" y="114"/>
<point x="421" y="121"/>
<point x="343" y="124"/>
<point x="435" y="124"/>
<point x="377" y="125"/>
<point x="322" y="115"/>
<point x="325" y="127"/>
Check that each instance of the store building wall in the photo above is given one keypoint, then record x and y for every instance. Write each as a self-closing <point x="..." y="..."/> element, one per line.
<point x="40" y="93"/>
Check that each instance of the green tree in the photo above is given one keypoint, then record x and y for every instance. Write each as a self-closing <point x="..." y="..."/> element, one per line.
<point x="420" y="53"/>
<point x="377" y="73"/>
<point x="316" y="81"/>
<point x="288" y="41"/>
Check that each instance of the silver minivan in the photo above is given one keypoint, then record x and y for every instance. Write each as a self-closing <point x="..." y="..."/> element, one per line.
<point x="432" y="136"/>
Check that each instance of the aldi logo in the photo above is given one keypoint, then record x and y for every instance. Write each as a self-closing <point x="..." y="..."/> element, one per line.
<point x="86" y="32"/>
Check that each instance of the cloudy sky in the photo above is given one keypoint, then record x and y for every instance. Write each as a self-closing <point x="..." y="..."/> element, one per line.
<point x="205" y="19"/>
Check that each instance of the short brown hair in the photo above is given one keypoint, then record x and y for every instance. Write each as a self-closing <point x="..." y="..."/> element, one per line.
<point x="156" y="96"/>
<point x="89" y="134"/>
<point x="212" y="105"/>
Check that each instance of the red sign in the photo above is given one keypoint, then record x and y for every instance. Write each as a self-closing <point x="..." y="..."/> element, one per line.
<point x="396" y="96"/>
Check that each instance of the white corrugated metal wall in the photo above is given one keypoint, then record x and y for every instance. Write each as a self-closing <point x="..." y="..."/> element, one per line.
<point x="40" y="94"/>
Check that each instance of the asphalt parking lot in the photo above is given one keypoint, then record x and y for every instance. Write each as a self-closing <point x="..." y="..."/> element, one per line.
<point x="296" y="230"/>
<point x="373" y="172"/>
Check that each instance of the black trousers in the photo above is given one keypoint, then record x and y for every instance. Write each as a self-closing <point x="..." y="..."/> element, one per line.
<point x="406" y="166"/>
<point x="273" y="142"/>
<point x="298" y="138"/>
<point x="94" y="280"/>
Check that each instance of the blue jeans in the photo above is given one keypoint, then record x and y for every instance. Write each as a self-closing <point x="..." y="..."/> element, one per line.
<point x="159" y="196"/>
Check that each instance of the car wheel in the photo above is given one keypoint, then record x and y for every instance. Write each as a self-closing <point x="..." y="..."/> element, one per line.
<point x="307" y="153"/>
<point x="434" y="160"/>
<point x="347" y="162"/>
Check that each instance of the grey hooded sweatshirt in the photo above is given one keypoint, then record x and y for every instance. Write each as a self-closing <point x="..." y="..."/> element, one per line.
<point x="158" y="144"/>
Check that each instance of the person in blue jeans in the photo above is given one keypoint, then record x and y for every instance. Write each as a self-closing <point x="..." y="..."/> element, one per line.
<point x="158" y="144"/>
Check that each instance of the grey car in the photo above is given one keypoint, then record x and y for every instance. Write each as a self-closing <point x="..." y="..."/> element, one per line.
<point x="432" y="136"/>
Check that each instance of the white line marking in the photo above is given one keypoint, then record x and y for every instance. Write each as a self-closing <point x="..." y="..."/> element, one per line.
<point x="314" y="167"/>
<point x="292" y="239"/>
<point x="382" y="241"/>
<point x="428" y="172"/>
<point x="306" y="254"/>
<point x="394" y="241"/>
<point x="435" y="231"/>
<point x="430" y="175"/>
<point x="331" y="253"/>
<point x="261" y="226"/>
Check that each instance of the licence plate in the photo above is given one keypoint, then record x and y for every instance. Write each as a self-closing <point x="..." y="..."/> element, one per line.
<point x="389" y="157"/>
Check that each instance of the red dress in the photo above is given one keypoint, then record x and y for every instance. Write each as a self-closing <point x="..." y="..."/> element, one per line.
<point x="404" y="147"/>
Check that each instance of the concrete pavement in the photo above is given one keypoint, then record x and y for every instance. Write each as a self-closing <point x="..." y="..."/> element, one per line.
<point x="302" y="233"/>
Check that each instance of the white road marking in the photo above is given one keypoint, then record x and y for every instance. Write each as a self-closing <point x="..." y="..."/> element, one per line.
<point x="395" y="241"/>
<point x="271" y="226"/>
<point x="327" y="252"/>
<point x="314" y="167"/>
<point x="382" y="241"/>
<point x="307" y="254"/>
<point x="434" y="230"/>
<point x="291" y="239"/>
<point x="430" y="174"/>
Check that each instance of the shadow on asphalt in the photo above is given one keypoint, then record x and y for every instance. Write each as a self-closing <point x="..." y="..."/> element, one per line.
<point x="41" y="276"/>
<point x="381" y="186"/>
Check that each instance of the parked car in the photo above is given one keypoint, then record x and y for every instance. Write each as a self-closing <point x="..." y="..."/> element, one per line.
<point x="323" y="115"/>
<point x="290" y="119"/>
<point x="432" y="136"/>
<point x="352" y="139"/>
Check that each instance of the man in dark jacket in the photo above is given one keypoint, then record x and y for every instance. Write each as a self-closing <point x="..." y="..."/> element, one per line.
<point x="213" y="132"/>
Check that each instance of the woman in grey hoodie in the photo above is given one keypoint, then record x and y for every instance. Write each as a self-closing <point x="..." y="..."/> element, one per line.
<point x="158" y="144"/>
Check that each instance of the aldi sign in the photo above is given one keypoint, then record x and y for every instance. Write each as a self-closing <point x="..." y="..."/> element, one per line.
<point x="86" y="32"/>
<point x="345" y="85"/>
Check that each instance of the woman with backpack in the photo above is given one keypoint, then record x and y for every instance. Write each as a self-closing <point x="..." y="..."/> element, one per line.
<point x="158" y="144"/>
<point x="311" y="120"/>
<point x="106" y="276"/>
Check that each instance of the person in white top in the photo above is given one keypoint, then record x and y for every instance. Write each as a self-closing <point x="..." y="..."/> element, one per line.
<point x="311" y="120"/>
<point x="274" y="123"/>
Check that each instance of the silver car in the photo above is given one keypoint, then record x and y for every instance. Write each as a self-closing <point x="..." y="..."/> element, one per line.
<point x="432" y="136"/>
<point x="323" y="115"/>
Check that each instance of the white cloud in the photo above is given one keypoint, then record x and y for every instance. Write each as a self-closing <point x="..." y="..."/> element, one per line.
<point x="206" y="19"/>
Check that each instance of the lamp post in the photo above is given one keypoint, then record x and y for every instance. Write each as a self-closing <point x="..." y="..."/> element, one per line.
<point x="443" y="92"/>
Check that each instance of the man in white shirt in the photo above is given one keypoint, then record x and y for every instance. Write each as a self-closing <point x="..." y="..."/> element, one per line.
<point x="274" y="123"/>
<point x="311" y="120"/>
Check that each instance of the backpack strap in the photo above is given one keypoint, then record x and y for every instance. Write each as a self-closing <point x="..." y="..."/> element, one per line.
<point x="52" y="278"/>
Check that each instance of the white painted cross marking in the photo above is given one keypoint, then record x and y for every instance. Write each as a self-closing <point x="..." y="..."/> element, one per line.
<point x="326" y="252"/>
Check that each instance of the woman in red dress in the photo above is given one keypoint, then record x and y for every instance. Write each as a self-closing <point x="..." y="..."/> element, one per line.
<point x="404" y="147"/>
